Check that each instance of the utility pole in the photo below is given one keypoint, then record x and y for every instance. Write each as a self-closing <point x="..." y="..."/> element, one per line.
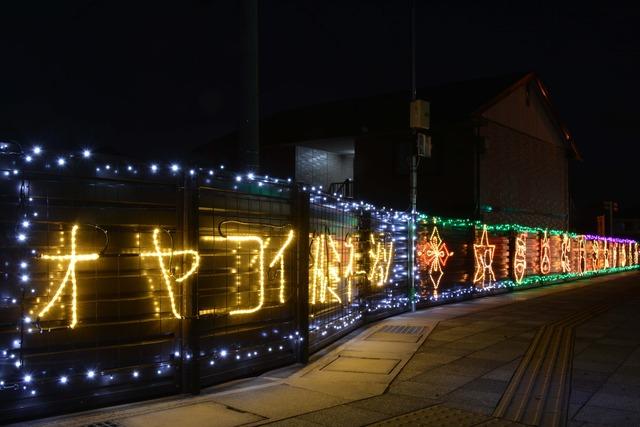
<point x="413" y="180"/>
<point x="419" y="122"/>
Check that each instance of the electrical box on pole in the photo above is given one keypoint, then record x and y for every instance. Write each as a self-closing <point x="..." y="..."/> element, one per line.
<point x="420" y="115"/>
<point x="419" y="122"/>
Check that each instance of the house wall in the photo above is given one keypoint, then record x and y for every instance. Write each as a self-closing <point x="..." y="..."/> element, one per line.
<point x="314" y="166"/>
<point x="524" y="167"/>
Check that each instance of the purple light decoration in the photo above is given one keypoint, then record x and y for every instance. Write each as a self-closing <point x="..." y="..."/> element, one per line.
<point x="608" y="239"/>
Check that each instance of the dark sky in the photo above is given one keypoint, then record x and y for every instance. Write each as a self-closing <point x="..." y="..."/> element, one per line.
<point x="135" y="75"/>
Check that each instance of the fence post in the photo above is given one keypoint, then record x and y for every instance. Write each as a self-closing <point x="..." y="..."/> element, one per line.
<point x="190" y="339"/>
<point x="301" y="217"/>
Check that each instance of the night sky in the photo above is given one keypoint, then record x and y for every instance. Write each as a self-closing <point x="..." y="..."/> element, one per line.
<point x="127" y="76"/>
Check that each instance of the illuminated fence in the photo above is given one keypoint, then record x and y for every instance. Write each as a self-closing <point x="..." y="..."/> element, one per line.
<point x="125" y="281"/>
<point x="456" y="258"/>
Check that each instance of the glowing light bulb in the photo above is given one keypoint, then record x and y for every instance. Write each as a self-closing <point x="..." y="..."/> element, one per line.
<point x="27" y="378"/>
<point x="154" y="168"/>
<point x="91" y="374"/>
<point x="61" y="161"/>
<point x="63" y="380"/>
<point x="28" y="158"/>
<point x="22" y="237"/>
<point x="37" y="150"/>
<point x="86" y="153"/>
<point x="175" y="167"/>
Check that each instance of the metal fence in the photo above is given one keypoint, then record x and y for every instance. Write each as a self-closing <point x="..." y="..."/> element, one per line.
<point x="122" y="282"/>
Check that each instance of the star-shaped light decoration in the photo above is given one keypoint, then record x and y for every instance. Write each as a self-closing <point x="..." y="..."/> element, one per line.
<point x="484" y="261"/>
<point x="432" y="256"/>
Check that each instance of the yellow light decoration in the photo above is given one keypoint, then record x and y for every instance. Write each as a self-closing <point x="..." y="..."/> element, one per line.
<point x="582" y="255"/>
<point x="623" y="255"/>
<point x="166" y="274"/>
<point x="262" y="245"/>
<point x="433" y="255"/>
<point x="614" y="255"/>
<point x="520" y="257"/>
<point x="349" y="272"/>
<point x="565" y="260"/>
<point x="595" y="254"/>
<point x="70" y="275"/>
<point x="280" y="257"/>
<point x="483" y="253"/>
<point x="635" y="253"/>
<point x="605" y="254"/>
<point x="380" y="258"/>
<point x="545" y="261"/>
<point x="325" y="273"/>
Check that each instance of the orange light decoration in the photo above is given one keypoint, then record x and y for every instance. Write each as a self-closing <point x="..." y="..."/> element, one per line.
<point x="432" y="256"/>
<point x="69" y="276"/>
<point x="614" y="255"/>
<point x="582" y="255"/>
<point x="623" y="255"/>
<point x="635" y="253"/>
<point x="595" y="255"/>
<point x="605" y="254"/>
<point x="484" y="261"/>
<point x="380" y="258"/>
<point x="545" y="261"/>
<point x="520" y="257"/>
<point x="565" y="260"/>
<point x="168" y="275"/>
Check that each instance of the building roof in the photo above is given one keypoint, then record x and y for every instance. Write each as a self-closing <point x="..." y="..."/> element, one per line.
<point x="450" y="103"/>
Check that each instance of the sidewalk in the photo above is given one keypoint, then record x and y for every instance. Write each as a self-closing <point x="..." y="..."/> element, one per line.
<point x="447" y="365"/>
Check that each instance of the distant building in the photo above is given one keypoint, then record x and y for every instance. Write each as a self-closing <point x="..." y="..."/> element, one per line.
<point x="500" y="152"/>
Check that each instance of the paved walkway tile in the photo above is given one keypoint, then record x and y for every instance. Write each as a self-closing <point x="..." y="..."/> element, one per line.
<point x="394" y="404"/>
<point x="343" y="415"/>
<point x="436" y="416"/>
